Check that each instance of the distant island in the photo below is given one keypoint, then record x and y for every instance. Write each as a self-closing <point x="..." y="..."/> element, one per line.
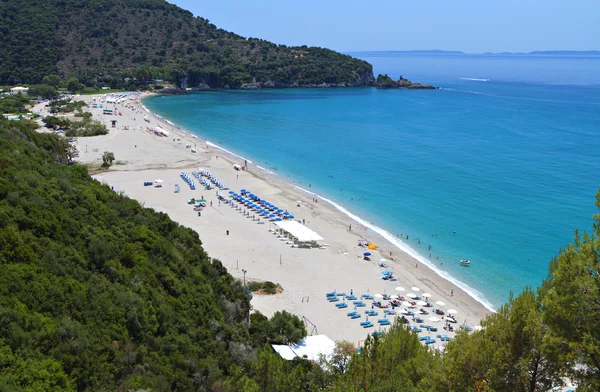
<point x="132" y="44"/>
<point x="456" y="52"/>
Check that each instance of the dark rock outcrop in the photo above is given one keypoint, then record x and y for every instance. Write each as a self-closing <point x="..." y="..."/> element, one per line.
<point x="384" y="81"/>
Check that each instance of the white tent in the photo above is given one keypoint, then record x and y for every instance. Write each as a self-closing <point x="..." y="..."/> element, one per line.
<point x="160" y="131"/>
<point x="311" y="347"/>
<point x="298" y="230"/>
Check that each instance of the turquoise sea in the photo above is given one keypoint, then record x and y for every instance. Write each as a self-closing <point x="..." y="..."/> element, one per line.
<point x="506" y="154"/>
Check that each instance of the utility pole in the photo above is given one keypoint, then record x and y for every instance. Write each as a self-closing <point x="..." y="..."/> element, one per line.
<point x="244" y="272"/>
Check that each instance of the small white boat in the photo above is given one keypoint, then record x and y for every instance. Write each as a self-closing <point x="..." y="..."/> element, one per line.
<point x="465" y="262"/>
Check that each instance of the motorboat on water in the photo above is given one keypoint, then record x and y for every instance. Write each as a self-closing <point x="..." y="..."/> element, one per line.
<point x="465" y="262"/>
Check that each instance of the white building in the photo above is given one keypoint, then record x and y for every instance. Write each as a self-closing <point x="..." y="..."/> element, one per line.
<point x="19" y="90"/>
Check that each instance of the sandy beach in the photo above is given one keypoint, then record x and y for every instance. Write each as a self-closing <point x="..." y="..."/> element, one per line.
<point x="242" y="243"/>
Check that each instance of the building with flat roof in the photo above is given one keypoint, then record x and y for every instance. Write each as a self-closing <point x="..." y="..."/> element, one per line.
<point x="19" y="90"/>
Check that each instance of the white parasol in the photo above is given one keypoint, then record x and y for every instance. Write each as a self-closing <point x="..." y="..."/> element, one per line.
<point x="400" y="288"/>
<point x="378" y="296"/>
<point x="415" y="289"/>
<point x="421" y="303"/>
<point x="440" y="303"/>
<point x="426" y="295"/>
<point x="411" y="295"/>
<point x="452" y="311"/>
<point x="434" y="319"/>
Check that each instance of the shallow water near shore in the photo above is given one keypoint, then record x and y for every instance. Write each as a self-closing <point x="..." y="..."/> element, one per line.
<point x="497" y="170"/>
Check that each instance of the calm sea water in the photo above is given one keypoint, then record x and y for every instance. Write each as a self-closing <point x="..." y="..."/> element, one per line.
<point x="510" y="164"/>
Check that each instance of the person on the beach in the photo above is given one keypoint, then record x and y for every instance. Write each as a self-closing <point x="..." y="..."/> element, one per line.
<point x="350" y="228"/>
<point x="227" y="232"/>
<point x="452" y="293"/>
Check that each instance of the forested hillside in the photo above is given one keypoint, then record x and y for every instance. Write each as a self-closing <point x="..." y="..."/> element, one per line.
<point x="98" y="293"/>
<point x="105" y="41"/>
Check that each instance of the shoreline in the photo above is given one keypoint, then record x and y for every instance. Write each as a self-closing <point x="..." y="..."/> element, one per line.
<point x="395" y="242"/>
<point x="337" y="267"/>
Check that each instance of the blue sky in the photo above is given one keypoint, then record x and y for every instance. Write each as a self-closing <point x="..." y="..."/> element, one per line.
<point x="468" y="25"/>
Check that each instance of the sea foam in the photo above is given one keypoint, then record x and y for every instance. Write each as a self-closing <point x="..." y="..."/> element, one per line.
<point x="227" y="151"/>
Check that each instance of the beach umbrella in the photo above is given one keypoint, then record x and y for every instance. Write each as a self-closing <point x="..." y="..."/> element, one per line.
<point x="412" y="295"/>
<point x="394" y="296"/>
<point x="286" y="213"/>
<point x="452" y="311"/>
<point x="378" y="296"/>
<point x="440" y="303"/>
<point x="434" y="319"/>
<point x="278" y="219"/>
<point x="387" y="272"/>
<point x="291" y="216"/>
<point x="367" y="254"/>
<point x="421" y="303"/>
<point x="400" y="288"/>
<point x="407" y="304"/>
<point x="272" y="216"/>
<point x="415" y="289"/>
<point x="383" y="260"/>
<point x="426" y="295"/>
<point x="404" y="311"/>
<point x="242" y="191"/>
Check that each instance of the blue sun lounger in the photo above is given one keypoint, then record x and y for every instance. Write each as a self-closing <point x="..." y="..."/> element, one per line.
<point x="432" y="329"/>
<point x="389" y="312"/>
<point x="351" y="297"/>
<point x="367" y="325"/>
<point x="415" y="329"/>
<point x="355" y="316"/>
<point x="446" y="339"/>
<point x="367" y="296"/>
<point x="363" y="323"/>
<point x="426" y="337"/>
<point x="360" y="304"/>
<point x="341" y="305"/>
<point x="333" y="299"/>
<point x="371" y="312"/>
<point x="384" y="321"/>
<point x="377" y="333"/>
<point x="330" y="294"/>
<point x="340" y="294"/>
<point x="418" y="319"/>
<point x="352" y="313"/>
<point x="425" y="326"/>
<point x="430" y="341"/>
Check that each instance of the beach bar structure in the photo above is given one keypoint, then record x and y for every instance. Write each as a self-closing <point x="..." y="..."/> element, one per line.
<point x="311" y="347"/>
<point x="300" y="233"/>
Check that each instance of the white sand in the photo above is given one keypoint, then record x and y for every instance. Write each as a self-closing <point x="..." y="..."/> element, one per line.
<point x="305" y="274"/>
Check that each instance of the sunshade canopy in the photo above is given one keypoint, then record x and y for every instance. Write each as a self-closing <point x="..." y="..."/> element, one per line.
<point x="298" y="230"/>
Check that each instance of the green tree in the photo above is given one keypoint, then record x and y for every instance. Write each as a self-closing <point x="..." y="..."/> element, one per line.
<point x="74" y="86"/>
<point x="107" y="158"/>
<point x="286" y="328"/>
<point x="342" y="353"/>
<point x="52" y="80"/>
<point x="571" y="303"/>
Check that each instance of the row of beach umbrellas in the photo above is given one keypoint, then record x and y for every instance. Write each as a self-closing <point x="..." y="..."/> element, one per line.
<point x="188" y="179"/>
<point x="275" y="214"/>
<point x="212" y="178"/>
